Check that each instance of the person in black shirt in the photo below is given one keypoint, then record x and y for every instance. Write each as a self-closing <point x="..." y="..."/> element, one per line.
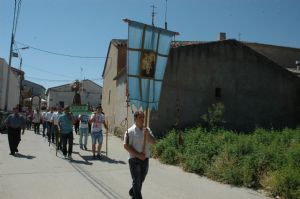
<point x="15" y="122"/>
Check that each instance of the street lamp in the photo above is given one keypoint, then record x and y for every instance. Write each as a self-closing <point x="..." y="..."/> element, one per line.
<point x="15" y="54"/>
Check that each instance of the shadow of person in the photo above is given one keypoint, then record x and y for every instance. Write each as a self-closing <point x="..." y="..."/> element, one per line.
<point x="19" y="155"/>
<point x="81" y="162"/>
<point x="111" y="161"/>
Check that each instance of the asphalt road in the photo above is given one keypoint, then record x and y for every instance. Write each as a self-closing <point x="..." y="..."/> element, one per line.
<point x="37" y="173"/>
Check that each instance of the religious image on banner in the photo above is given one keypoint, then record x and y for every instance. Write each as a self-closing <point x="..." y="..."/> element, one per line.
<point x="147" y="55"/>
<point x="147" y="64"/>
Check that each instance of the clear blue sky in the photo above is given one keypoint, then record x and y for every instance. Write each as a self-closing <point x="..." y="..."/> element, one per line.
<point x="85" y="28"/>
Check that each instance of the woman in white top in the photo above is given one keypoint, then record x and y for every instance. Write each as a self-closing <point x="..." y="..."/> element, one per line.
<point x="37" y="116"/>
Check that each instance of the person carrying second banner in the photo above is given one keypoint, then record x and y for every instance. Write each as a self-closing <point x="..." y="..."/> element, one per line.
<point x="14" y="123"/>
<point x="136" y="141"/>
<point x="48" y="116"/>
<point x="55" y="128"/>
<point x="65" y="123"/>
<point x="97" y="120"/>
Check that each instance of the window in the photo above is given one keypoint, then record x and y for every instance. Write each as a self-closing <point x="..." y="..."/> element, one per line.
<point x="61" y="104"/>
<point x="218" y="93"/>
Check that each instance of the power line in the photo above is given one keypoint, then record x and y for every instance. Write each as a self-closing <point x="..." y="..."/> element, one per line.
<point x="60" y="80"/>
<point x="61" y="54"/>
<point x="48" y="72"/>
<point x="48" y="80"/>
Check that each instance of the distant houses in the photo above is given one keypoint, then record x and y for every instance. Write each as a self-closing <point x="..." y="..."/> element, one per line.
<point x="34" y="89"/>
<point x="61" y="96"/>
<point x="10" y="79"/>
<point x="33" y="95"/>
<point x="257" y="83"/>
<point x="15" y="90"/>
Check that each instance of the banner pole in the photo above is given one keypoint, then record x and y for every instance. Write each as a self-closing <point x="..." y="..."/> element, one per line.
<point x="146" y="123"/>
<point x="106" y="146"/>
<point x="145" y="126"/>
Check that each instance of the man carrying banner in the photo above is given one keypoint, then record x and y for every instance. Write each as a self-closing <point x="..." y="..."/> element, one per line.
<point x="138" y="153"/>
<point x="147" y="55"/>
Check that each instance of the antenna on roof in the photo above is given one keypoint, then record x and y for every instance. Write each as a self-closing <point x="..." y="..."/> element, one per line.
<point x="153" y="14"/>
<point x="166" y="23"/>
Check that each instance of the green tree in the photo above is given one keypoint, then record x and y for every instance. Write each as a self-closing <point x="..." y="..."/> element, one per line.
<point x="215" y="115"/>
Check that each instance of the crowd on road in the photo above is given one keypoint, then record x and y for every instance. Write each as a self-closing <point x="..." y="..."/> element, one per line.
<point x="57" y="125"/>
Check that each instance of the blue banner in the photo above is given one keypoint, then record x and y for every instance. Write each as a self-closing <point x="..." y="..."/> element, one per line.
<point x="147" y="55"/>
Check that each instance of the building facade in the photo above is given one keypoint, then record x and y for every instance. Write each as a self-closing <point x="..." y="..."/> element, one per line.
<point x="255" y="90"/>
<point x="33" y="95"/>
<point x="36" y="89"/>
<point x="12" y="92"/>
<point x="114" y="87"/>
<point x="61" y="96"/>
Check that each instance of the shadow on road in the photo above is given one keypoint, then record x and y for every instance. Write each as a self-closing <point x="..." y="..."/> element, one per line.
<point x="111" y="161"/>
<point x="81" y="162"/>
<point x="103" y="158"/>
<point x="19" y="155"/>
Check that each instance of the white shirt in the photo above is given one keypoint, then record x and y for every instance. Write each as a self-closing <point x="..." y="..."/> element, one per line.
<point x="136" y="140"/>
<point x="97" y="123"/>
<point x="48" y="116"/>
<point x="84" y="119"/>
<point x="54" y="117"/>
<point x="36" y="117"/>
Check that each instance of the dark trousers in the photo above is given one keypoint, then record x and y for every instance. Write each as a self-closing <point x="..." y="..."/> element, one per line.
<point x="14" y="138"/>
<point x="44" y="127"/>
<point x="138" y="170"/>
<point x="67" y="138"/>
<point x="49" y="132"/>
<point x="57" y="136"/>
<point x="36" y="127"/>
<point x="76" y="127"/>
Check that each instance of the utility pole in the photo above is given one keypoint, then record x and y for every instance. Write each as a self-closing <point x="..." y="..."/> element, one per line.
<point x="20" y="84"/>
<point x="166" y="24"/>
<point x="153" y="14"/>
<point x="10" y="56"/>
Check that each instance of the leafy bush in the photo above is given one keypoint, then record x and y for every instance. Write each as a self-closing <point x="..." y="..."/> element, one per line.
<point x="199" y="150"/>
<point x="166" y="150"/>
<point x="287" y="183"/>
<point x="262" y="159"/>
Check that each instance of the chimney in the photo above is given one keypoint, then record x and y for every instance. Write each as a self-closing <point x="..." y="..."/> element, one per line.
<point x="222" y="36"/>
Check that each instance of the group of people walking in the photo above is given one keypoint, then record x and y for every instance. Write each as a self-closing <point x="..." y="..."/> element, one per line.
<point x="59" y="125"/>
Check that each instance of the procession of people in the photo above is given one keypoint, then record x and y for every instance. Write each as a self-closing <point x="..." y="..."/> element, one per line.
<point x="58" y="126"/>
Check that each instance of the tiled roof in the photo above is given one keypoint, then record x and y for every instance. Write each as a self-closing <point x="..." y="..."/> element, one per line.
<point x="119" y="42"/>
<point x="174" y="44"/>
